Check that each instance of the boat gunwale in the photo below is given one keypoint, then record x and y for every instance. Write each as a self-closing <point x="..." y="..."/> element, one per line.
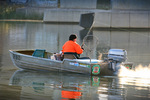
<point x="17" y="53"/>
<point x="71" y="60"/>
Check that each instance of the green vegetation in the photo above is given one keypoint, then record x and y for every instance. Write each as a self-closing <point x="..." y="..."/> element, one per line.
<point x="8" y="11"/>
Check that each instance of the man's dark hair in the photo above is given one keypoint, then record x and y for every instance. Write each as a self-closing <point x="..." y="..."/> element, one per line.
<point x="72" y="37"/>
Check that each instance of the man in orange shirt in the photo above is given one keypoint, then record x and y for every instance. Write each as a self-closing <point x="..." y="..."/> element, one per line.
<point x="72" y="47"/>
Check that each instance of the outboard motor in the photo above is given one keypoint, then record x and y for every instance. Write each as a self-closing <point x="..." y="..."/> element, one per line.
<point x="115" y="57"/>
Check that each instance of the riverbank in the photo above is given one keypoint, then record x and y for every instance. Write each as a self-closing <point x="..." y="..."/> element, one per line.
<point x="20" y="20"/>
<point x="10" y="11"/>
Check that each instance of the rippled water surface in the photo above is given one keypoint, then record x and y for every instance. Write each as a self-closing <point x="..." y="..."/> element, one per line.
<point x="18" y="84"/>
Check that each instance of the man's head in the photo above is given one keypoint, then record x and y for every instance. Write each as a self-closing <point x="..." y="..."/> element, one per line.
<point x="72" y="37"/>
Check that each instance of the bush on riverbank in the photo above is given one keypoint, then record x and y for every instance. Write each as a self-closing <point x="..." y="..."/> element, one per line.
<point x="8" y="11"/>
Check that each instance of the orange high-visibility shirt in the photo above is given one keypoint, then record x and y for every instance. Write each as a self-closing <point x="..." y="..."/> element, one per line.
<point x="71" y="46"/>
<point x="71" y="94"/>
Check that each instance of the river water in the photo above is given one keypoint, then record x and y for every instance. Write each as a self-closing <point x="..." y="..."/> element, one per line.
<point x="18" y="84"/>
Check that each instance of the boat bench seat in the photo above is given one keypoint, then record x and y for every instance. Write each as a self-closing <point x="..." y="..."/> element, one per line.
<point x="69" y="56"/>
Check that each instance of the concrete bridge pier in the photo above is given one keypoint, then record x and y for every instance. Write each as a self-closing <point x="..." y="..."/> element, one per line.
<point x="103" y="18"/>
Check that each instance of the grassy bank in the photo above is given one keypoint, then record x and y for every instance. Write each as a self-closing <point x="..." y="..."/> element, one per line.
<point x="9" y="11"/>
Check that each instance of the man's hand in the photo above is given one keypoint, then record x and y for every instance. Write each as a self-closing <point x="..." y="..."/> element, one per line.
<point x="82" y="46"/>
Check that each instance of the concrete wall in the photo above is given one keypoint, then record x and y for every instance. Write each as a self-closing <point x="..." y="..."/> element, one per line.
<point x="103" y="18"/>
<point x="63" y="15"/>
<point x="43" y="3"/>
<point x="88" y="4"/>
<point x="131" y="4"/>
<point x="78" y="4"/>
<point x="75" y="4"/>
<point x="123" y="19"/>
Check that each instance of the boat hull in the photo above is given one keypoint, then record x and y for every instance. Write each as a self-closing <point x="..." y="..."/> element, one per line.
<point x="30" y="62"/>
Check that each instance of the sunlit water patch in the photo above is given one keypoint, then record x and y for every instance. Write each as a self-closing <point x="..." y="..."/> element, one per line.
<point x="140" y="76"/>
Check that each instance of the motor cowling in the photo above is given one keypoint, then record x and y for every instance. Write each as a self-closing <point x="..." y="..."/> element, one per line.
<point x="118" y="55"/>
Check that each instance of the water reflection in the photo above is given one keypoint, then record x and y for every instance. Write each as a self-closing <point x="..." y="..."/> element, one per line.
<point x="135" y="42"/>
<point x="67" y="86"/>
<point x="136" y="88"/>
<point x="1" y="44"/>
<point x="54" y="84"/>
<point x="62" y="86"/>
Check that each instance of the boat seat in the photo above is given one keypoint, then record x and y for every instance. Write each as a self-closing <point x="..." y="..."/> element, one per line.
<point x="39" y="53"/>
<point x="69" y="56"/>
